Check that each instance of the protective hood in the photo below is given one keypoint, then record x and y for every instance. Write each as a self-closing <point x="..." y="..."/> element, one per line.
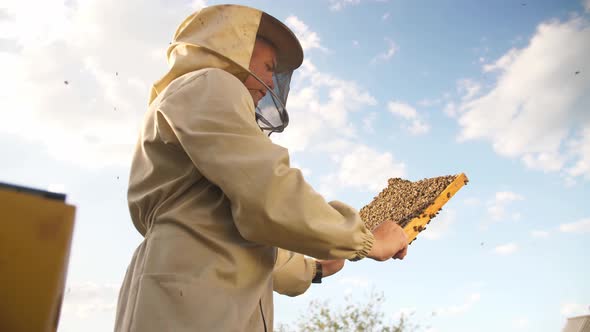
<point x="223" y="37"/>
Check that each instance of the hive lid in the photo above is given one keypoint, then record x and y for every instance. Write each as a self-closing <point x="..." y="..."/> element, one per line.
<point x="33" y="191"/>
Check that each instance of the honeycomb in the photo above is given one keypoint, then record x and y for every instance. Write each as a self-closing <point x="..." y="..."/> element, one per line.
<point x="411" y="204"/>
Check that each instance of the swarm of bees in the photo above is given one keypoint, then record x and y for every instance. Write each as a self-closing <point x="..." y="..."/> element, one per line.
<point x="404" y="200"/>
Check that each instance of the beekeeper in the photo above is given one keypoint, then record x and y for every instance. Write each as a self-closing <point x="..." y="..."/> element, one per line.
<point x="215" y="198"/>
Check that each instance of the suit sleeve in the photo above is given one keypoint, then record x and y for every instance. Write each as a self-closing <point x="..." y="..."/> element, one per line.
<point x="292" y="273"/>
<point x="212" y="117"/>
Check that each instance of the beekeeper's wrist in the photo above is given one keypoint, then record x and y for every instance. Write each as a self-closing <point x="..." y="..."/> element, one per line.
<point x="331" y="267"/>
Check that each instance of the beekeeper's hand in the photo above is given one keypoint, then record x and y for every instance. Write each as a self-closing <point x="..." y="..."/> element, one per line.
<point x="329" y="267"/>
<point x="390" y="242"/>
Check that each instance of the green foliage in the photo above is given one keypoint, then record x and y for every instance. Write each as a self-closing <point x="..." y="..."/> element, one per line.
<point x="353" y="317"/>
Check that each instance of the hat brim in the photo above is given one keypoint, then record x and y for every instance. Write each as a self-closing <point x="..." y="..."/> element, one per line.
<point x="289" y="50"/>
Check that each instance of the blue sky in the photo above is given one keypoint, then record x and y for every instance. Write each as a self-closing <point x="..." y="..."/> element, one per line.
<point x="389" y="88"/>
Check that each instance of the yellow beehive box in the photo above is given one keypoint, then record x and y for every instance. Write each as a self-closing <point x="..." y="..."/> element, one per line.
<point x="35" y="237"/>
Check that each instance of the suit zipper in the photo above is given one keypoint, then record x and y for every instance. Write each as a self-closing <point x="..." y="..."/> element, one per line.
<point x="262" y="313"/>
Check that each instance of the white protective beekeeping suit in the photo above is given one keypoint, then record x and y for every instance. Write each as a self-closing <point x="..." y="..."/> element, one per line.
<point x="214" y="197"/>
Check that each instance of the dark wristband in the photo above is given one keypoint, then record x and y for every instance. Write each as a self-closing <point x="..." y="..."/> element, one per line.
<point x="317" y="279"/>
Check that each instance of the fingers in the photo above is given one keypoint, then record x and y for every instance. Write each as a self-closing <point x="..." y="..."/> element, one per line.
<point x="402" y="253"/>
<point x="391" y="242"/>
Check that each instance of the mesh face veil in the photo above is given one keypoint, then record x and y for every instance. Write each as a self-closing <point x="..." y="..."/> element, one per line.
<point x="222" y="37"/>
<point x="271" y="112"/>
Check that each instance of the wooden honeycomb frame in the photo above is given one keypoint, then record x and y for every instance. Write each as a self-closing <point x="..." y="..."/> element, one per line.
<point x="418" y="224"/>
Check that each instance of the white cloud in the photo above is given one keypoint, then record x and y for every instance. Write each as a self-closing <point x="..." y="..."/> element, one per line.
<point x="315" y="119"/>
<point x="472" y="201"/>
<point x="340" y="4"/>
<point x="548" y="162"/>
<point x="539" y="104"/>
<point x="414" y="124"/>
<point x="508" y="196"/>
<point x="540" y="234"/>
<point x="454" y="310"/>
<point x="521" y="323"/>
<point x="198" y="4"/>
<point x="308" y="39"/>
<point x="84" y="300"/>
<point x="355" y="281"/>
<point x="93" y="120"/>
<point x="363" y="168"/>
<point x="439" y="226"/>
<point x="569" y="182"/>
<point x="586" y="5"/>
<point x="503" y="62"/>
<point x="387" y="54"/>
<point x="506" y="249"/>
<point x="47" y="23"/>
<point x="581" y="147"/>
<point x="570" y="309"/>
<point x="418" y="127"/>
<point x="335" y="148"/>
<point x="497" y="207"/>
<point x="429" y="102"/>
<point x="403" y="110"/>
<point x="355" y="43"/>
<point x="468" y="88"/>
<point x="336" y="5"/>
<point x="451" y="109"/>
<point x="368" y="122"/>
<point x="385" y="16"/>
<point x="581" y="226"/>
